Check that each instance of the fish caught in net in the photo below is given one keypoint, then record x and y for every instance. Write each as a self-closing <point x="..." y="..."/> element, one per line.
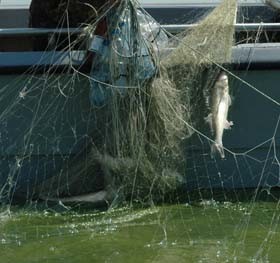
<point x="147" y="89"/>
<point x="122" y="113"/>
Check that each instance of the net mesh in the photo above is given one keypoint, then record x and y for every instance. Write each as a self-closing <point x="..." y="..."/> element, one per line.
<point x="193" y="64"/>
<point x="71" y="136"/>
<point x="135" y="133"/>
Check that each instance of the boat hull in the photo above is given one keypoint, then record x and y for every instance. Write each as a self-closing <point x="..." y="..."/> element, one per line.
<point x="253" y="143"/>
<point x="44" y="132"/>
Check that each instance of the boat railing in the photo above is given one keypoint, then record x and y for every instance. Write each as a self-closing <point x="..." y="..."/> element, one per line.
<point x="176" y="28"/>
<point x="240" y="27"/>
<point x="8" y="32"/>
<point x="21" y="55"/>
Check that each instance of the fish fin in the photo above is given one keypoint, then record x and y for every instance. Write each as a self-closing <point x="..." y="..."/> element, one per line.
<point x="208" y="119"/>
<point x="217" y="147"/>
<point x="228" y="125"/>
<point x="87" y="198"/>
<point x="229" y="100"/>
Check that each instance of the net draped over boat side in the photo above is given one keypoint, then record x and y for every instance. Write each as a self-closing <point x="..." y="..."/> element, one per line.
<point x="145" y="101"/>
<point x="191" y="63"/>
<point x="141" y="114"/>
<point x="144" y="122"/>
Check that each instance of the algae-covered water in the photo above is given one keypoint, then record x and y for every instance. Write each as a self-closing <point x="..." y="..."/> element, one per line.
<point x="206" y="232"/>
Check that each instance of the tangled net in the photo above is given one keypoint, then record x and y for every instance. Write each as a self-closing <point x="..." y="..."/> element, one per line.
<point x="194" y="64"/>
<point x="148" y="90"/>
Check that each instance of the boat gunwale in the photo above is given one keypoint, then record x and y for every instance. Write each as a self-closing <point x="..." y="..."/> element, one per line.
<point x="244" y="57"/>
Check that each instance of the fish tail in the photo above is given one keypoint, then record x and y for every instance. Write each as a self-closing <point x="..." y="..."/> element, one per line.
<point x="217" y="147"/>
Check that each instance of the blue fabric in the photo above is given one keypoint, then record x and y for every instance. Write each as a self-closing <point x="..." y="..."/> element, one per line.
<point x="129" y="52"/>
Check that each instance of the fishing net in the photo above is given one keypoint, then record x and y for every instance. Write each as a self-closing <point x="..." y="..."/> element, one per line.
<point x="142" y="103"/>
<point x="148" y="91"/>
<point x="125" y="128"/>
<point x="193" y="64"/>
<point x="136" y="138"/>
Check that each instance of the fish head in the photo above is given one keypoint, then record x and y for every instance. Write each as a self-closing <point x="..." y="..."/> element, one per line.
<point x="223" y="83"/>
<point x="223" y="79"/>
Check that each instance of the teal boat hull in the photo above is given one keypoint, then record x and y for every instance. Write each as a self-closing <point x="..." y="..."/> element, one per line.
<point x="44" y="131"/>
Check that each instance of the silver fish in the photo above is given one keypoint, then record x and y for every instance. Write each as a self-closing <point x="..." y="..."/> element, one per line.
<point x="219" y="103"/>
<point x="100" y="196"/>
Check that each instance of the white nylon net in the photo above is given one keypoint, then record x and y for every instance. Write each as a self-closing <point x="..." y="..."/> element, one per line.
<point x="131" y="133"/>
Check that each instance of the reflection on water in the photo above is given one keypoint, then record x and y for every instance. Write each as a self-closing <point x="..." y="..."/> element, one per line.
<point x="206" y="232"/>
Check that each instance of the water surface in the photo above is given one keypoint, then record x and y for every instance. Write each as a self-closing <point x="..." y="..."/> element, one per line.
<point x="206" y="232"/>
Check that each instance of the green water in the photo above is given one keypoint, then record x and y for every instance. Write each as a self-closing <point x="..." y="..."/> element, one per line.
<point x="206" y="232"/>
